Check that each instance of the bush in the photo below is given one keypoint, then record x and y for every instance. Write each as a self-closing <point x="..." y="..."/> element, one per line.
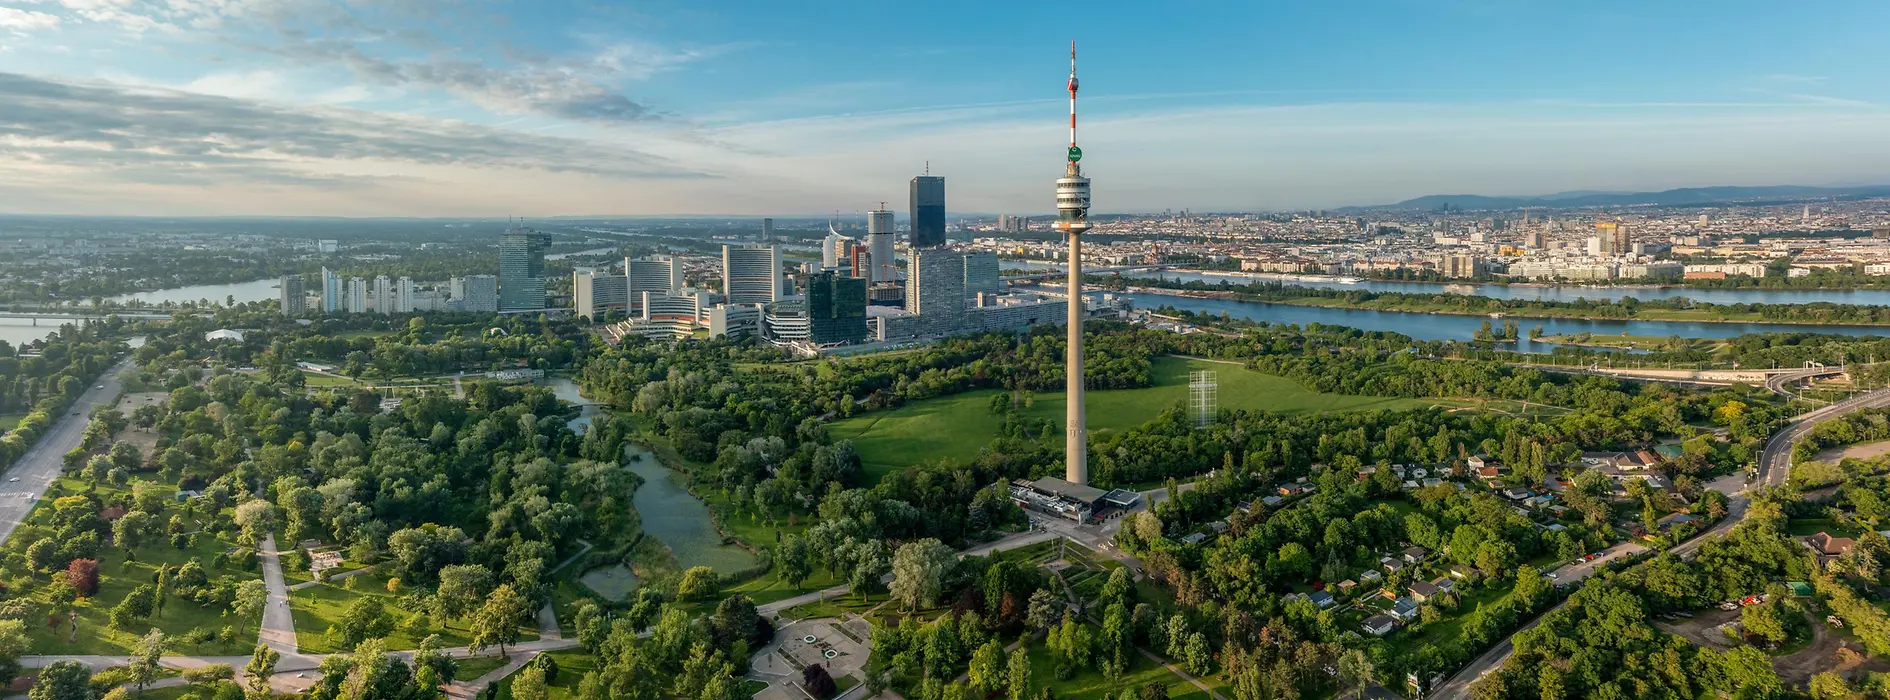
<point x="549" y="666"/>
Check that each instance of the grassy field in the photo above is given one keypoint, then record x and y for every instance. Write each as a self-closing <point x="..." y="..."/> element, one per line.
<point x="956" y="427"/>
<point x="1089" y="683"/>
<point x="572" y="665"/>
<point x="477" y="666"/>
<point x="318" y="611"/>
<point x="8" y="420"/>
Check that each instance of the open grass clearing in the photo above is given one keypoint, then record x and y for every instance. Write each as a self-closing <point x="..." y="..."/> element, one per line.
<point x="956" y="427"/>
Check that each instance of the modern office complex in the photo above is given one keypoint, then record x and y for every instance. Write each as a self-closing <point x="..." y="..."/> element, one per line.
<point x="928" y="211"/>
<point x="522" y="269"/>
<point x="935" y="289"/>
<point x="658" y="273"/>
<point x="478" y="293"/>
<point x="751" y="274"/>
<point x="293" y="298"/>
<point x="981" y="274"/>
<point x="836" y="309"/>
<point x="882" y="266"/>
<point x="593" y="293"/>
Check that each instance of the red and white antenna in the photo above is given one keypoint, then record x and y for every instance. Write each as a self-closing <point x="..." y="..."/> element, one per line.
<point x="1075" y="154"/>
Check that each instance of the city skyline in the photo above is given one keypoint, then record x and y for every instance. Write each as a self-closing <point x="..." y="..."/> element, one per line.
<point x="308" y="107"/>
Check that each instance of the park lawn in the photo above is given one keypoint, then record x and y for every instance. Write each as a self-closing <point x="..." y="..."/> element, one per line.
<point x="117" y="580"/>
<point x="1801" y="527"/>
<point x="318" y="611"/>
<point x="956" y="427"/>
<point x="474" y="667"/>
<point x="317" y="379"/>
<point x="1089" y="683"/>
<point x="769" y="587"/>
<point x="751" y="528"/>
<point x="572" y="665"/>
<point x="9" y="420"/>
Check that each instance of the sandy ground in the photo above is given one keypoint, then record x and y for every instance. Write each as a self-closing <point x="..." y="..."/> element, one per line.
<point x="1702" y="628"/>
<point x="130" y="402"/>
<point x="1864" y="451"/>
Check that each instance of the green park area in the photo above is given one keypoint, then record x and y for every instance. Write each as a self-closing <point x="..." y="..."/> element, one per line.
<point x="323" y="612"/>
<point x="8" y="420"/>
<point x="193" y="607"/>
<point x="956" y="427"/>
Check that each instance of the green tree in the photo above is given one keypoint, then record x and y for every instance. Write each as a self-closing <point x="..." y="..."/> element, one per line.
<point x="987" y="668"/>
<point x="1017" y="679"/>
<point x="366" y="618"/>
<point x="793" y="559"/>
<point x="919" y="570"/>
<point x="529" y="684"/>
<point x="12" y="645"/>
<point x="698" y="583"/>
<point x="463" y="587"/>
<point x="262" y="665"/>
<point x="63" y="680"/>
<point x="144" y="659"/>
<point x="496" y="623"/>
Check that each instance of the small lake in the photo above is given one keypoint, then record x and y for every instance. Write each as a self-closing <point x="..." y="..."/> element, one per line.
<point x="676" y="518"/>
<point x="568" y="391"/>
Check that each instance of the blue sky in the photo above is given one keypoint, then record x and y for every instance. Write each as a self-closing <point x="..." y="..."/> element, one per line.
<point x="490" y="108"/>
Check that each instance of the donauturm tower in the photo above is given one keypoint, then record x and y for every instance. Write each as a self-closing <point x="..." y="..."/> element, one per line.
<point x="1073" y="220"/>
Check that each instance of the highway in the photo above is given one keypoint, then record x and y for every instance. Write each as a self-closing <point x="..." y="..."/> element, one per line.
<point x="36" y="471"/>
<point x="1775" y="464"/>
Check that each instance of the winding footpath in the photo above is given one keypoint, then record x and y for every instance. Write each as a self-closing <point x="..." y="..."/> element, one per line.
<point x="1775" y="464"/>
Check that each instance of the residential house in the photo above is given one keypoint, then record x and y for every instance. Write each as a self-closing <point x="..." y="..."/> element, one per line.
<point x="1827" y="547"/>
<point x="1476" y="463"/>
<point x="1321" y="599"/>
<point x="1346" y="586"/>
<point x="1393" y="566"/>
<point x="1415" y="554"/>
<point x="1444" y="585"/>
<point x="1422" y="591"/>
<point x="1379" y="625"/>
<point x="1404" y="609"/>
<point x="1370" y="576"/>
<point x="1488" y="473"/>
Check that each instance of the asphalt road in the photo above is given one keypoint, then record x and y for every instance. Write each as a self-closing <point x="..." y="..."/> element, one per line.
<point x="1774" y="467"/>
<point x="29" y="478"/>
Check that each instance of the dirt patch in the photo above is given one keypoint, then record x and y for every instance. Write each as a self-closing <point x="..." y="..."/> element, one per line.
<point x="1864" y="451"/>
<point x="144" y="441"/>
<point x="1822" y="655"/>
<point x="1703" y="627"/>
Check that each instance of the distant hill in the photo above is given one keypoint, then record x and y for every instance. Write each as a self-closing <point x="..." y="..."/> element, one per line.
<point x="1686" y="196"/>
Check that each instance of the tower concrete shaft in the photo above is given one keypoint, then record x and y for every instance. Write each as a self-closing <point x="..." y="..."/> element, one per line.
<point x="1073" y="220"/>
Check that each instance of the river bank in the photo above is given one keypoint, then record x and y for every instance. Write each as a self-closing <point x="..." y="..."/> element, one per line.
<point x="1406" y="306"/>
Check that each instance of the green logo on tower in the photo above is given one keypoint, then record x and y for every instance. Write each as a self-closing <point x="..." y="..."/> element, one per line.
<point x="1076" y="154"/>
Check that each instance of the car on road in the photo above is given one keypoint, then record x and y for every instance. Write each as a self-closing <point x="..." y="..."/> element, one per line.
<point x="13" y="479"/>
<point x="101" y="386"/>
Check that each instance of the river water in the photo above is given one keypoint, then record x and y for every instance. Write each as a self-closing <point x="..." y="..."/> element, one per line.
<point x="676" y="518"/>
<point x="1868" y="297"/>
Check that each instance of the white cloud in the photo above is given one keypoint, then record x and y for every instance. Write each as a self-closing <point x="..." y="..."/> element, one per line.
<point x="24" y="20"/>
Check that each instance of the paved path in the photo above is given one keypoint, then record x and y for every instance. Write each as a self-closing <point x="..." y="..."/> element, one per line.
<point x="278" y="626"/>
<point x="305" y="585"/>
<point x="44" y="461"/>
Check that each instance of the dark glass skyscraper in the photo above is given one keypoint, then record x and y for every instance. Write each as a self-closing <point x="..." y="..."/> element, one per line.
<point x="928" y="211"/>
<point x="836" y="309"/>
<point x="522" y="269"/>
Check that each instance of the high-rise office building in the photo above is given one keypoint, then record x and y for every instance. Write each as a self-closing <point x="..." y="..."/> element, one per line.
<point x="383" y="295"/>
<point x="403" y="295"/>
<point x="879" y="246"/>
<point x="751" y="274"/>
<point x="1533" y="238"/>
<point x="1623" y="239"/>
<point x="767" y="230"/>
<point x="293" y="298"/>
<point x="357" y="295"/>
<point x="833" y="248"/>
<point x="836" y="309"/>
<point x="935" y="289"/>
<point x="333" y="294"/>
<point x="658" y="273"/>
<point x="593" y="293"/>
<point x="928" y="211"/>
<point x="522" y="269"/>
<point x="1607" y="236"/>
<point x="478" y="293"/>
<point x="981" y="274"/>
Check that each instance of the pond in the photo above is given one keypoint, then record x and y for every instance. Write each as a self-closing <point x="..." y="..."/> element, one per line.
<point x="678" y="519"/>
<point x="569" y="392"/>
